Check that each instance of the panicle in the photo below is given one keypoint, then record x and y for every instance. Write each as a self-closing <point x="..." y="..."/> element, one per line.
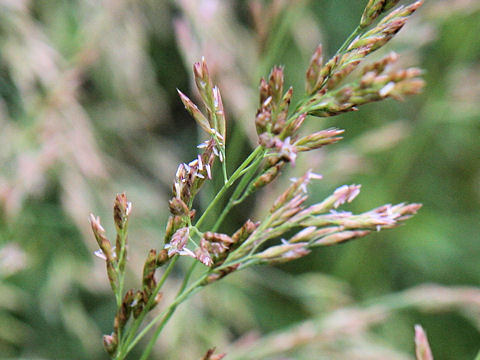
<point x="264" y="90"/>
<point x="306" y="227"/>
<point x="121" y="211"/>
<point x="288" y="210"/>
<point x="190" y="177"/>
<point x="286" y="151"/>
<point x="217" y="237"/>
<point x="138" y="303"/>
<point x="173" y="224"/>
<point x="282" y="112"/>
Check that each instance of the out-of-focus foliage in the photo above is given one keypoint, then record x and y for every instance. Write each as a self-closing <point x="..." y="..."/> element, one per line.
<point x="88" y="108"/>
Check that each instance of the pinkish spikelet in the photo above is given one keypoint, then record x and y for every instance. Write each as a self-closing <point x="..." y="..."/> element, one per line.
<point x="299" y="186"/>
<point x="422" y="347"/>
<point x="179" y="241"/>
<point x="313" y="78"/>
<point x="303" y="235"/>
<point x="203" y="256"/>
<point x="283" y="253"/>
<point x="194" y="112"/>
<point x="340" y="237"/>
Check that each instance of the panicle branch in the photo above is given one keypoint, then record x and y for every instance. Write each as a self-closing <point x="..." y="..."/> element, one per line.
<point x="375" y="84"/>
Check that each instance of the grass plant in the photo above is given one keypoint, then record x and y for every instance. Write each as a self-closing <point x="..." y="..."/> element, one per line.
<point x="291" y="228"/>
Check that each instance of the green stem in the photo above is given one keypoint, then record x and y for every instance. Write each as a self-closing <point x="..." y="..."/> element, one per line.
<point x="347" y="42"/>
<point x="120" y="264"/>
<point x="118" y="289"/>
<point x="158" y="330"/>
<point x="163" y="315"/>
<point x="133" y="329"/>
<point x="226" y="186"/>
<point x="120" y="269"/>
<point x="224" y="165"/>
<point x="234" y="199"/>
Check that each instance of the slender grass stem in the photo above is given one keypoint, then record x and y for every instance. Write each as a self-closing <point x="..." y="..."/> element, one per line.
<point x="121" y="261"/>
<point x="234" y="199"/>
<point x="224" y="166"/>
<point x="239" y="172"/>
<point x="120" y="270"/>
<point x="347" y="42"/>
<point x="163" y="315"/>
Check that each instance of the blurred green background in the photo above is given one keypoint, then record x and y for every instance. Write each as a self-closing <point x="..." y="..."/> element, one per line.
<point x="88" y="109"/>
